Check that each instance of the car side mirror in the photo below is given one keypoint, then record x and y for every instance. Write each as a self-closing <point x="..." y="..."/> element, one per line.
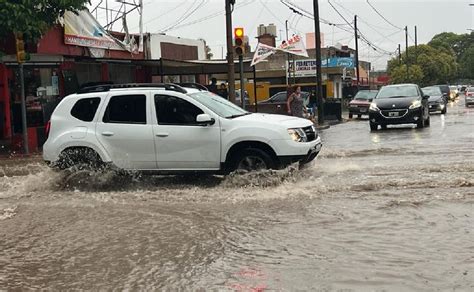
<point x="205" y="120"/>
<point x="371" y="99"/>
<point x="426" y="96"/>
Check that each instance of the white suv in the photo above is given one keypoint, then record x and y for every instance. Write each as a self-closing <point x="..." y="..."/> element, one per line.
<point x="168" y="128"/>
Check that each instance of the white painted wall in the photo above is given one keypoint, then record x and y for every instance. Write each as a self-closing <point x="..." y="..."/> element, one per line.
<point x="157" y="39"/>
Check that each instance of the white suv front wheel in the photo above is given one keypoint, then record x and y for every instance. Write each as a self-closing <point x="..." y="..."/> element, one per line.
<point x="252" y="159"/>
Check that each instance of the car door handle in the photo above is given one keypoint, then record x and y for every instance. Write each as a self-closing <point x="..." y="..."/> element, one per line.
<point x="162" y="135"/>
<point x="107" y="134"/>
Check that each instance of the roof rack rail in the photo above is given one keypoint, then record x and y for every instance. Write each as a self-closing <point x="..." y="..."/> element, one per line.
<point x="108" y="87"/>
<point x="193" y="85"/>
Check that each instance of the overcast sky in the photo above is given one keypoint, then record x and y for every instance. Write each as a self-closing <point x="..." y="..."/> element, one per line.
<point x="206" y="19"/>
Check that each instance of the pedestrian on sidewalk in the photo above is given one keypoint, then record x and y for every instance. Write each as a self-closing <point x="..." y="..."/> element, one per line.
<point x="223" y="91"/>
<point x="295" y="103"/>
<point x="213" y="86"/>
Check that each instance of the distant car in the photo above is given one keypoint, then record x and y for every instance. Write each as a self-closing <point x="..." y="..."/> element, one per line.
<point x="399" y="104"/>
<point x="436" y="102"/>
<point x="446" y="91"/>
<point x="469" y="97"/>
<point x="453" y="92"/>
<point x="360" y="104"/>
<point x="276" y="104"/>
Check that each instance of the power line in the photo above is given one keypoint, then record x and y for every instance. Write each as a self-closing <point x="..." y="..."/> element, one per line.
<point x="383" y="16"/>
<point x="210" y="16"/>
<point x="342" y="16"/>
<point x="361" y="35"/>
<point x="186" y="14"/>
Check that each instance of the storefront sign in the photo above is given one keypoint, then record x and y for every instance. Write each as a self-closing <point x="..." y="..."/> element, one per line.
<point x="84" y="30"/>
<point x="304" y="68"/>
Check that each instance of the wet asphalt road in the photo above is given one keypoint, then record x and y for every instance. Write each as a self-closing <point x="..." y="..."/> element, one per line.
<point x="388" y="210"/>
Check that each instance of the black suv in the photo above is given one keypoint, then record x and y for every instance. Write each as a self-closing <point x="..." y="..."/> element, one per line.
<point x="399" y="104"/>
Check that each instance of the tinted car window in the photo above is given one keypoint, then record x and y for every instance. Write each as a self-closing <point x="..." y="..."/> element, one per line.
<point x="126" y="109"/>
<point x="85" y="109"/>
<point x="433" y="90"/>
<point x="280" y="96"/>
<point x="172" y="110"/>
<point x="397" y="91"/>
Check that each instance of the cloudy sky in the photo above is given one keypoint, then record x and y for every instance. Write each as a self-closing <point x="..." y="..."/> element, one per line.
<point x="206" y="19"/>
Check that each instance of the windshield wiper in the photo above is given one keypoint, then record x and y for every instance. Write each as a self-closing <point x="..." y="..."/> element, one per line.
<point x="236" y="116"/>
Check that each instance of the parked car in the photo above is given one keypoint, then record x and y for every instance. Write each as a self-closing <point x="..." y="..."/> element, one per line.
<point x="399" y="104"/>
<point x="446" y="91"/>
<point x="436" y="102"/>
<point x="360" y="104"/>
<point x="469" y="97"/>
<point x="168" y="128"/>
<point x="276" y="104"/>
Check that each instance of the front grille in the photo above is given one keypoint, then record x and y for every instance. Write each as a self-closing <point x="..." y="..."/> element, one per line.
<point x="395" y="113"/>
<point x="310" y="133"/>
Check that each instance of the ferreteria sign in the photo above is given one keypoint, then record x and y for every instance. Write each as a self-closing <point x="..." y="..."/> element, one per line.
<point x="308" y="67"/>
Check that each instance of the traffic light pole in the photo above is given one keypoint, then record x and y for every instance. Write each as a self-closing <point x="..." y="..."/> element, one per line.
<point x="23" y="111"/>
<point x="230" y="51"/>
<point x="242" y="84"/>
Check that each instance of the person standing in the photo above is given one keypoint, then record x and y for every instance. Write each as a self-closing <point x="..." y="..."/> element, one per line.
<point x="295" y="103"/>
<point x="213" y="86"/>
<point x="223" y="91"/>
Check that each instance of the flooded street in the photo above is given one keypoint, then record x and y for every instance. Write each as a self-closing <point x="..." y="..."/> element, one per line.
<point x="386" y="210"/>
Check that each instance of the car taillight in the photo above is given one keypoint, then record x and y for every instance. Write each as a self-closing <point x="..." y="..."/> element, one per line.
<point x="47" y="127"/>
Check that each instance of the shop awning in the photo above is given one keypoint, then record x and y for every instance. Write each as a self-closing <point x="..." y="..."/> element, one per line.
<point x="173" y="67"/>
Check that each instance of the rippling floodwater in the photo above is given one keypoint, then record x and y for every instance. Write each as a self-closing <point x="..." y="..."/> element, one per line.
<point x="389" y="210"/>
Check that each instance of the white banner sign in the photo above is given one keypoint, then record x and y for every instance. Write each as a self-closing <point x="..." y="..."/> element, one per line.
<point x="261" y="53"/>
<point x="293" y="46"/>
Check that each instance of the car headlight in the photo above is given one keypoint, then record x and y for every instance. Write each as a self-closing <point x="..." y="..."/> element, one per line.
<point x="297" y="135"/>
<point x="415" y="104"/>
<point x="374" y="107"/>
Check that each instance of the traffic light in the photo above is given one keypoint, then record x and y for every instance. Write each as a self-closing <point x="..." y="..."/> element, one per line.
<point x="21" y="54"/>
<point x="239" y="46"/>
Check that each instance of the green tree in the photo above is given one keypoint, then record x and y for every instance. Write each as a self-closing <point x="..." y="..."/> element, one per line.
<point x="437" y="65"/>
<point x="399" y="74"/>
<point x="466" y="63"/>
<point x="34" y="17"/>
<point x="458" y="43"/>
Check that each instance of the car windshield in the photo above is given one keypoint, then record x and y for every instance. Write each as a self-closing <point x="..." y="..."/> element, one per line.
<point x="219" y="105"/>
<point x="397" y="91"/>
<point x="471" y="89"/>
<point x="365" y="95"/>
<point x="431" y="91"/>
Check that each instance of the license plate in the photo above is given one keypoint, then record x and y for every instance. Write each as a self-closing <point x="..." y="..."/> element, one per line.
<point x="363" y="110"/>
<point x="393" y="114"/>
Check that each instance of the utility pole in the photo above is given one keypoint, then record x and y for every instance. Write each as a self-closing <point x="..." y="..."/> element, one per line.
<point x="416" y="45"/>
<point x="399" y="55"/>
<point x="230" y="49"/>
<point x="319" y="82"/>
<point x="406" y="47"/>
<point x="356" y="35"/>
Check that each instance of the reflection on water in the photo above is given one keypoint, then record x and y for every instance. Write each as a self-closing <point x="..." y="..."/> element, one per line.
<point x="384" y="215"/>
